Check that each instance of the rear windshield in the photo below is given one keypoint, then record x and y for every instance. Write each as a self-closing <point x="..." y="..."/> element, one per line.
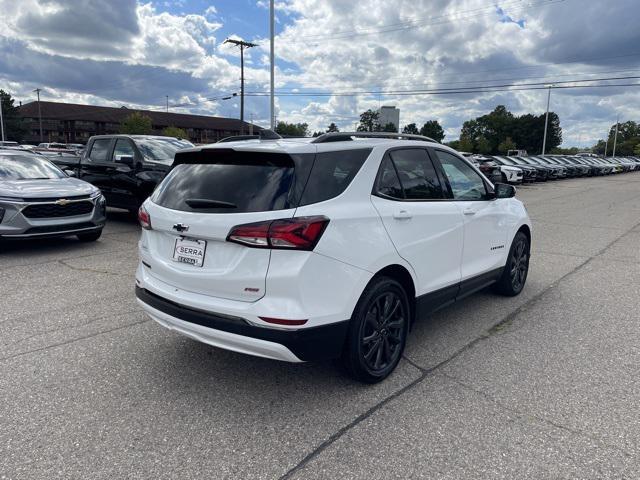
<point x="228" y="182"/>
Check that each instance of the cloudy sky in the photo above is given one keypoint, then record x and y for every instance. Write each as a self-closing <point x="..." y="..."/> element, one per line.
<point x="335" y="58"/>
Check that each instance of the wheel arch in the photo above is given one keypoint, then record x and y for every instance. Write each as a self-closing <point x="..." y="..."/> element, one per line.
<point x="526" y="230"/>
<point x="400" y="274"/>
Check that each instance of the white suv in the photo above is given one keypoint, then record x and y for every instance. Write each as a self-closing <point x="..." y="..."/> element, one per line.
<point x="303" y="250"/>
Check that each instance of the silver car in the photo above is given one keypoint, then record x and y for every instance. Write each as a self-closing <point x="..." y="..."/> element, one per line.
<point x="37" y="199"/>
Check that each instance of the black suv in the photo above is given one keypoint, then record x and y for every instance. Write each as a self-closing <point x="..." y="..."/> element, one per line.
<point x="127" y="168"/>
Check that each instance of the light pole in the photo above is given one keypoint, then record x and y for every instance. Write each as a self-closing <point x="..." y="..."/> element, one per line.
<point x="242" y="44"/>
<point x="1" y="119"/>
<point x="37" y="90"/>
<point x="546" y="122"/>
<point x="615" y="138"/>
<point x="272" y="29"/>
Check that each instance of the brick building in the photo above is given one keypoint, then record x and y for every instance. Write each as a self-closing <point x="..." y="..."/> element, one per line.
<point x="73" y="123"/>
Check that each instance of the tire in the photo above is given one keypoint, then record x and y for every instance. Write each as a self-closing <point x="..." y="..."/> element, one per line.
<point x="89" y="237"/>
<point x="377" y="331"/>
<point x="516" y="270"/>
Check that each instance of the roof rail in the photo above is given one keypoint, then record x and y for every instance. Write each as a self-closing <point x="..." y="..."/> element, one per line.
<point x="264" y="134"/>
<point x="346" y="136"/>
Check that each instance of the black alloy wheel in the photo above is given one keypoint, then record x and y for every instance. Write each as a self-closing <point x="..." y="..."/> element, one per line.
<point x="519" y="264"/>
<point x="514" y="275"/>
<point x="378" y="331"/>
<point x="382" y="332"/>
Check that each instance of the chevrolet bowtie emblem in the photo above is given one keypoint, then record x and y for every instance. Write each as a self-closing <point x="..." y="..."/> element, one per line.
<point x="181" y="227"/>
<point x="63" y="202"/>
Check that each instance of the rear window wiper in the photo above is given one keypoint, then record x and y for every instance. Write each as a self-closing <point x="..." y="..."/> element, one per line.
<point x="206" y="203"/>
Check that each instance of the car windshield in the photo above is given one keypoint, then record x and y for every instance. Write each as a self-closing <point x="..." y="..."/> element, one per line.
<point x="161" y="150"/>
<point x="27" y="167"/>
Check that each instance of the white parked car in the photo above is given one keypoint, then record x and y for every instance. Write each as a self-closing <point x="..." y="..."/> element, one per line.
<point x="302" y="250"/>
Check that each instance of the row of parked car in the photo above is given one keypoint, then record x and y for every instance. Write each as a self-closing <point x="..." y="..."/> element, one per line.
<point x="52" y="190"/>
<point x="540" y="168"/>
<point x="123" y="170"/>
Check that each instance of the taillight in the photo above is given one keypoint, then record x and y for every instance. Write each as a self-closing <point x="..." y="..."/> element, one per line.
<point x="144" y="218"/>
<point x="299" y="233"/>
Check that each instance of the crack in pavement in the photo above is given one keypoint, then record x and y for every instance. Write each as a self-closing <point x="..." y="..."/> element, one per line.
<point x="426" y="372"/>
<point x="91" y="270"/>
<point x="73" y="340"/>
<point x="546" y="421"/>
<point x="78" y="325"/>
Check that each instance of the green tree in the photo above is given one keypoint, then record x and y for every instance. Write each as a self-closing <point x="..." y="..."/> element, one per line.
<point x="412" y="129"/>
<point x="565" y="151"/>
<point x="626" y="131"/>
<point x="636" y="151"/>
<point x="526" y="131"/>
<point x="15" y="127"/>
<point x="292" y="129"/>
<point x="433" y="129"/>
<point x="455" y="144"/>
<point x="465" y="144"/>
<point x="136" y="124"/>
<point x="506" y="145"/>
<point x="332" y="128"/>
<point x="483" y="146"/>
<point x="175" y="132"/>
<point x="369" y="121"/>
<point x="600" y="147"/>
<point x="390" y="127"/>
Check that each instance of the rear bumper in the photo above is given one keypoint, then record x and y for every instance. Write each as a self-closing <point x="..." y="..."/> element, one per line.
<point x="236" y="334"/>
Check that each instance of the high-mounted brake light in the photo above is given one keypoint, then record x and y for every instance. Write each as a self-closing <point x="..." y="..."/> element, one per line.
<point x="299" y="233"/>
<point x="144" y="218"/>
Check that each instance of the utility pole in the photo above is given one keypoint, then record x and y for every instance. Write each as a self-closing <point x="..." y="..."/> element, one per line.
<point x="606" y="145"/>
<point x="546" y="122"/>
<point x="37" y="90"/>
<point x="242" y="44"/>
<point x="272" y="29"/>
<point x="615" y="138"/>
<point x="1" y="119"/>
<point x="167" y="103"/>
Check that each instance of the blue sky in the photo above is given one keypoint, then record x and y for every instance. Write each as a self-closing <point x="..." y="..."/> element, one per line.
<point x="133" y="53"/>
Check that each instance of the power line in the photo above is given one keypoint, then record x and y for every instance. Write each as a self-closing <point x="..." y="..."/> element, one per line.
<point x="552" y="76"/>
<point x="443" y="90"/>
<point x="456" y="92"/>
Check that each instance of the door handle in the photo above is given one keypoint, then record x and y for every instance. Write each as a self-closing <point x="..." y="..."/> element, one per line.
<point x="402" y="215"/>
<point x="469" y="211"/>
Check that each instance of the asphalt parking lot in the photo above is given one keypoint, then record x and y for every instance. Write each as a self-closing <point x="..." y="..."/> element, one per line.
<point x="544" y="385"/>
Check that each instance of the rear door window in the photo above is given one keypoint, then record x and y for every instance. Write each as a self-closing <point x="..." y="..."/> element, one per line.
<point x="100" y="150"/>
<point x="332" y="172"/>
<point x="123" y="148"/>
<point x="388" y="181"/>
<point x="417" y="175"/>
<point x="226" y="181"/>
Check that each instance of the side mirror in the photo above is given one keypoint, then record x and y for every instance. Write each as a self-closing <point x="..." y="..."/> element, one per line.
<point x="502" y="190"/>
<point x="126" y="160"/>
<point x="70" y="173"/>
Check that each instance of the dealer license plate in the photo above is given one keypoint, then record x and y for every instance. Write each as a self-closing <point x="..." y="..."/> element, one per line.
<point x="190" y="251"/>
